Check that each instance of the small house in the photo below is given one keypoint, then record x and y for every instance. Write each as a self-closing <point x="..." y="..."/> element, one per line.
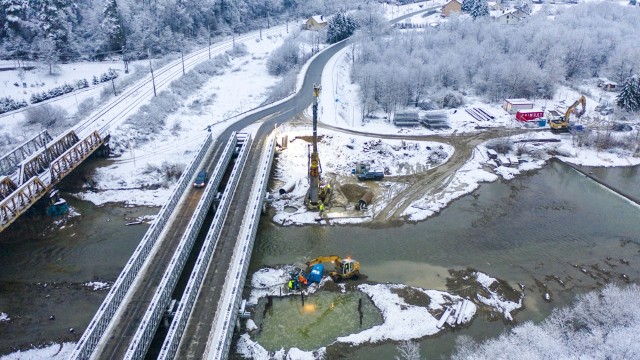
<point x="453" y="6"/>
<point x="316" y="22"/>
<point x="509" y="17"/>
<point x="607" y="85"/>
<point x="513" y="105"/>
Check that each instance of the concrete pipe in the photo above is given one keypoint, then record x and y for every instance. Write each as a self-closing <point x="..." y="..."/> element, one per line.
<point x="365" y="201"/>
<point x="287" y="188"/>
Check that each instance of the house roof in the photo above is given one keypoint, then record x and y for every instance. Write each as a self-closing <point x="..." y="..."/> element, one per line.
<point x="518" y="101"/>
<point x="320" y="19"/>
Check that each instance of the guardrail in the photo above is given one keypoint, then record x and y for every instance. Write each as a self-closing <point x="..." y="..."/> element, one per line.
<point x="219" y="340"/>
<point x="162" y="296"/>
<point x="183" y="313"/>
<point x="91" y="337"/>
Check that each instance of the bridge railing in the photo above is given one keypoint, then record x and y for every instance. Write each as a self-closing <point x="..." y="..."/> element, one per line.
<point x="9" y="162"/>
<point x="179" y="322"/>
<point x="162" y="296"/>
<point x="221" y="334"/>
<point x="91" y="337"/>
<point x="12" y="206"/>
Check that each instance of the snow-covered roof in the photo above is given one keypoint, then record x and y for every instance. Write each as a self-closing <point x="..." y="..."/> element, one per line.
<point x="320" y="19"/>
<point x="518" y="101"/>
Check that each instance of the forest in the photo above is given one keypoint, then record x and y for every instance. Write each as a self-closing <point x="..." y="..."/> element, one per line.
<point x="63" y="30"/>
<point x="479" y="57"/>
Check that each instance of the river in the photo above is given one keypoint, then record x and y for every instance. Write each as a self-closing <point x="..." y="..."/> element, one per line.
<point x="551" y="223"/>
<point x="523" y="230"/>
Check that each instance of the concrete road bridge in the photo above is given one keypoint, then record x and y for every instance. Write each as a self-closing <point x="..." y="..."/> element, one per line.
<point x="203" y="312"/>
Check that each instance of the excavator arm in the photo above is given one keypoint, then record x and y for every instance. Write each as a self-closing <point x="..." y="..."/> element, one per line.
<point x="582" y="101"/>
<point x="324" y="259"/>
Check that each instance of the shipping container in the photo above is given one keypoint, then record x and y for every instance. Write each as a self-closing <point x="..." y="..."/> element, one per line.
<point x="513" y="105"/>
<point x="529" y="115"/>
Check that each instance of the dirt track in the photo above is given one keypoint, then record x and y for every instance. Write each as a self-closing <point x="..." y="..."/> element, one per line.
<point x="436" y="179"/>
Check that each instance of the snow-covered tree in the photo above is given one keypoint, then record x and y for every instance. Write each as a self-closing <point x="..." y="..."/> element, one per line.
<point x="467" y="5"/>
<point x="601" y="325"/>
<point x="340" y="27"/>
<point x="408" y="350"/>
<point x="54" y="20"/>
<point x="112" y="26"/>
<point x="629" y="96"/>
<point x="480" y="8"/>
<point x="14" y="13"/>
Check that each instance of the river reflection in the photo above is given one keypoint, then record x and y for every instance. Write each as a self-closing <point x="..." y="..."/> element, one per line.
<point x="553" y="231"/>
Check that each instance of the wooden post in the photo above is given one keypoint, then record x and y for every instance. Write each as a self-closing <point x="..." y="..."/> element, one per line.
<point x="153" y="79"/>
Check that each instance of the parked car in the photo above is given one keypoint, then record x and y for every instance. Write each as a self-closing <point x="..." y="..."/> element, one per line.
<point x="201" y="179"/>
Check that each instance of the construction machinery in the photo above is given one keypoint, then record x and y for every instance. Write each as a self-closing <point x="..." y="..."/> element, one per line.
<point x="319" y="192"/>
<point x="561" y="123"/>
<point x="314" y="163"/>
<point x="343" y="269"/>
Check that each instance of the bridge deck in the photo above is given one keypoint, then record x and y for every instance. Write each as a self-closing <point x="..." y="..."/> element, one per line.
<point x="196" y="333"/>
<point x="114" y="344"/>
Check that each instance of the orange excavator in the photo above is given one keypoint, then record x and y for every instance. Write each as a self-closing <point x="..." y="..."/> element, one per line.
<point x="561" y="123"/>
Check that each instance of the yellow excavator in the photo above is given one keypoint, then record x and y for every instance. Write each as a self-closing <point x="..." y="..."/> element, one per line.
<point x="344" y="268"/>
<point x="562" y="123"/>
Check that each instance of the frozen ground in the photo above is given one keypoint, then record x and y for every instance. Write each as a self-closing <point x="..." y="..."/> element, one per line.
<point x="54" y="351"/>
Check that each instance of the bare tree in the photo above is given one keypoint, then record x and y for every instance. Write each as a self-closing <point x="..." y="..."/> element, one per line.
<point x="408" y="350"/>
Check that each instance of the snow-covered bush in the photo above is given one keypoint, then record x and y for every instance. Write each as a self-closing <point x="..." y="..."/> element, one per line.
<point x="452" y="100"/>
<point x="284" y="58"/>
<point x="58" y="91"/>
<point x="239" y="50"/>
<point x="166" y="173"/>
<point x="8" y="104"/>
<point x="46" y="115"/>
<point x="85" y="107"/>
<point x="283" y="88"/>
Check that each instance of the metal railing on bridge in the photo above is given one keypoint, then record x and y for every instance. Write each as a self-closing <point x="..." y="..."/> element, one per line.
<point x="41" y="170"/>
<point x="179" y="322"/>
<point x="162" y="296"/>
<point x="9" y="163"/>
<point x="91" y="337"/>
<point x="221" y="334"/>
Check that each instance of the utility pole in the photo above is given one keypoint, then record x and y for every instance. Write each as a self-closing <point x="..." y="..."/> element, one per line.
<point x="209" y="32"/>
<point x="182" y="56"/>
<point x="153" y="79"/>
<point x="114" y="88"/>
<point x="124" y="59"/>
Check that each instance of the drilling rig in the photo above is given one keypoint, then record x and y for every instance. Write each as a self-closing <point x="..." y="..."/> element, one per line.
<point x="319" y="193"/>
<point x="313" y="198"/>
